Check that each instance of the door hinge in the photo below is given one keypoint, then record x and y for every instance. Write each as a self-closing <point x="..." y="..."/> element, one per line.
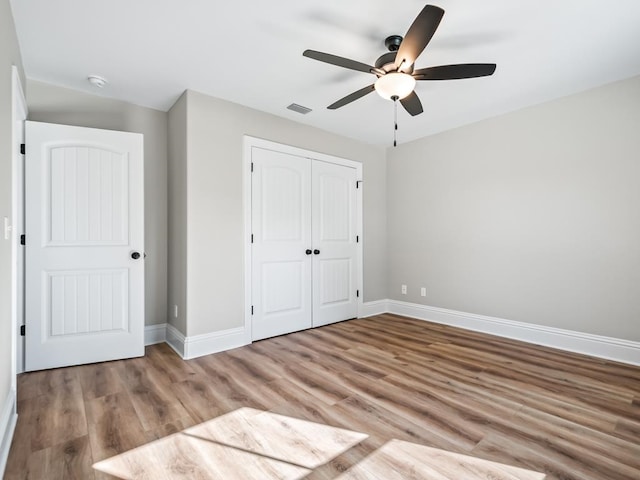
<point x="358" y="293"/>
<point x="252" y="238"/>
<point x="357" y="184"/>
<point x="251" y="309"/>
<point x="22" y="330"/>
<point x="23" y="239"/>
<point x="23" y="149"/>
<point x="357" y="238"/>
<point x="251" y="167"/>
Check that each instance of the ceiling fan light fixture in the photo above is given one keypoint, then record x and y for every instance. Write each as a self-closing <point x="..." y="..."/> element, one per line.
<point x="395" y="84"/>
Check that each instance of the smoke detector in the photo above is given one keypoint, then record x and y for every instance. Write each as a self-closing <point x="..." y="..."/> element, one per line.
<point x="97" y="81"/>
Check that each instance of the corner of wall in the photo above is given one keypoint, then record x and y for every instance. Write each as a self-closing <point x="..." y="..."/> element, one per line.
<point x="177" y="210"/>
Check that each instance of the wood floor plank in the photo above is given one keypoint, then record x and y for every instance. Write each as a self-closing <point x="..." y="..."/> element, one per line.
<point x="477" y="389"/>
<point x="284" y="391"/>
<point x="569" y="416"/>
<point x="197" y="396"/>
<point x="163" y="358"/>
<point x="150" y="393"/>
<point x="359" y="413"/>
<point x="61" y="410"/>
<point x="68" y="460"/>
<point x="114" y="425"/>
<point x="98" y="380"/>
<point x="627" y="429"/>
<point x="231" y="391"/>
<point x="181" y="456"/>
<point x="170" y="428"/>
<point x="544" y="457"/>
<point x="21" y="449"/>
<point x="397" y="460"/>
<point x="325" y="388"/>
<point x="282" y="437"/>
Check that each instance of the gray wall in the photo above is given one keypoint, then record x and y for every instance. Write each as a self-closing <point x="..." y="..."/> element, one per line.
<point x="177" y="285"/>
<point x="9" y="55"/>
<point x="53" y="104"/>
<point x="215" y="245"/>
<point x="532" y="216"/>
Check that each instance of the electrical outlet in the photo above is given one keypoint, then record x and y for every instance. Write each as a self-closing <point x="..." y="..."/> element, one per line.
<point x="404" y="289"/>
<point x="7" y="229"/>
<point x="423" y="292"/>
<point x="175" y="311"/>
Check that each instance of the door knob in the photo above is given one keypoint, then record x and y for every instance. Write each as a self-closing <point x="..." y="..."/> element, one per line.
<point x="135" y="255"/>
<point x="307" y="251"/>
<point x="316" y="251"/>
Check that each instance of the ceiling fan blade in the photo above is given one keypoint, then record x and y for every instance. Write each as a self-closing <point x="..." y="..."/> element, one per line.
<point x="351" y="97"/>
<point x="455" y="72"/>
<point x="339" y="61"/>
<point x="418" y="36"/>
<point x="412" y="104"/>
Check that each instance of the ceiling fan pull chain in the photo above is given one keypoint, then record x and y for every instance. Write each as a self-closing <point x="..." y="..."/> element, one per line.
<point x="395" y="119"/>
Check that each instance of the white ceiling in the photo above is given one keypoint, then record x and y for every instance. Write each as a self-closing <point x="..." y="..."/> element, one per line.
<point x="250" y="52"/>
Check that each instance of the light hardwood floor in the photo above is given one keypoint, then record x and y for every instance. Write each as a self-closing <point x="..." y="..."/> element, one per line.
<point x="394" y="379"/>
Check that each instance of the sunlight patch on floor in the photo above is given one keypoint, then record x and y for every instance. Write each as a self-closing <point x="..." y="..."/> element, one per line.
<point x="245" y="443"/>
<point x="398" y="460"/>
<point x="249" y="443"/>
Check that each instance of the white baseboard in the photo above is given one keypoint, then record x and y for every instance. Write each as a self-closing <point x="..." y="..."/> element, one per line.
<point x="200" y="345"/>
<point x="155" y="334"/>
<point x="8" y="419"/>
<point x="175" y="339"/>
<point x="377" y="307"/>
<point x="595" y="345"/>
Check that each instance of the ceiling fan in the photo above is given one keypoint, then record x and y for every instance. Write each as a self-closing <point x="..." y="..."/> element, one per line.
<point x="395" y="69"/>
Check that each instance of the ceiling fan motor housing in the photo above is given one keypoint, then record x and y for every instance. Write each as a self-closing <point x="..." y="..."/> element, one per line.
<point x="387" y="60"/>
<point x="393" y="42"/>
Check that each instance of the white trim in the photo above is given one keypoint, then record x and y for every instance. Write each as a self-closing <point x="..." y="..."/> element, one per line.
<point x="8" y="421"/>
<point x="595" y="345"/>
<point x="609" y="348"/>
<point x="620" y="350"/>
<point x="200" y="345"/>
<point x="377" y="307"/>
<point x="360" y="234"/>
<point x="175" y="339"/>
<point x="18" y="114"/>
<point x="248" y="143"/>
<point x="155" y="334"/>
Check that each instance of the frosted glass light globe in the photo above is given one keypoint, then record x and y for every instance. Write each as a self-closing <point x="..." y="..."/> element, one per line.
<point x="395" y="84"/>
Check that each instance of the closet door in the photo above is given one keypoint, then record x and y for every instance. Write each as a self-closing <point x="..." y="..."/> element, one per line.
<point x="281" y="255"/>
<point x="334" y="229"/>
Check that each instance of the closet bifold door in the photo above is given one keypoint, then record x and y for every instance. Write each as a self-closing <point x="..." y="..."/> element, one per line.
<point x="334" y="230"/>
<point x="281" y="229"/>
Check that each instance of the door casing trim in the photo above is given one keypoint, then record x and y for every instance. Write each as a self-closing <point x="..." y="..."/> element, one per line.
<point x="19" y="113"/>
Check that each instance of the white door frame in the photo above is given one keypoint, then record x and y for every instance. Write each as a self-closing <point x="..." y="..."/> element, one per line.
<point x="18" y="114"/>
<point x="250" y="142"/>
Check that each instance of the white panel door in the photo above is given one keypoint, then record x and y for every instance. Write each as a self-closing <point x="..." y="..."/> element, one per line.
<point x="85" y="245"/>
<point x="334" y="228"/>
<point x="281" y="229"/>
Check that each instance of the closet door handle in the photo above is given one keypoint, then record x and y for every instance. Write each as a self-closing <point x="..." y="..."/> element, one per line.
<point x="316" y="252"/>
<point x="307" y="251"/>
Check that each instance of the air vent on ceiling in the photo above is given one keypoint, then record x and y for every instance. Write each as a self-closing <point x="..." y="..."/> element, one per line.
<point x="299" y="108"/>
